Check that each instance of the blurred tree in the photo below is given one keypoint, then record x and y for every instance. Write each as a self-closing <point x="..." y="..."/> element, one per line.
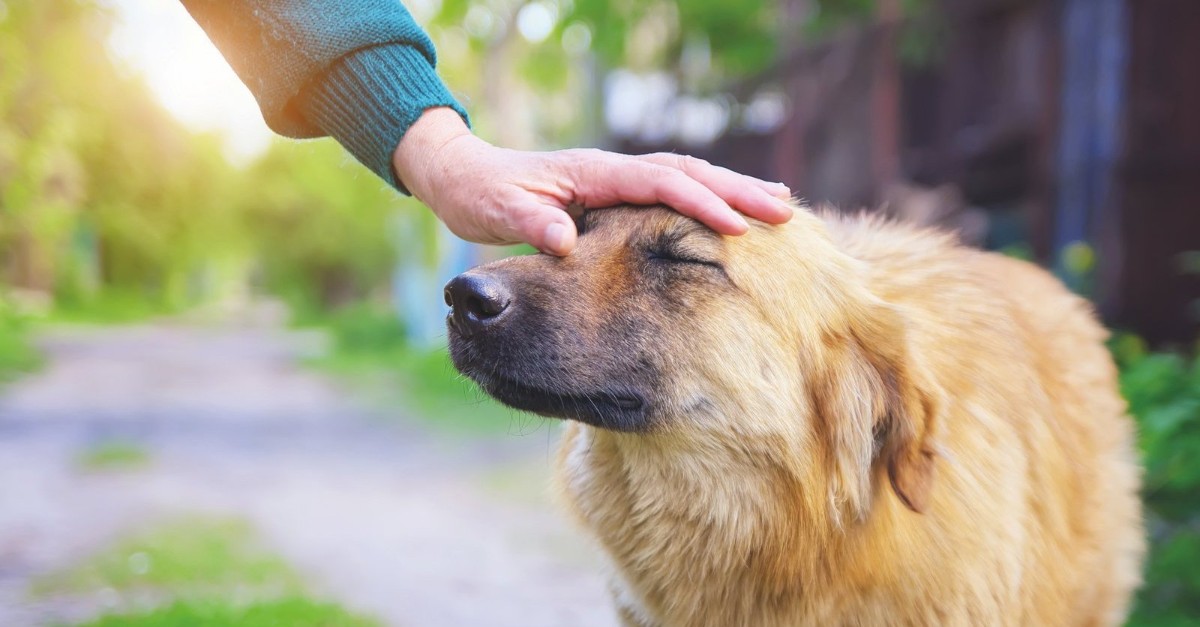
<point x="527" y="66"/>
<point x="92" y="162"/>
<point x="325" y="238"/>
<point x="102" y="192"/>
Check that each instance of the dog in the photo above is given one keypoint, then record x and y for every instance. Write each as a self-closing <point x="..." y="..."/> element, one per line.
<point x="837" y="421"/>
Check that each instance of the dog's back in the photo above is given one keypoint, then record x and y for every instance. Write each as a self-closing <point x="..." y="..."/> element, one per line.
<point x="1035" y="431"/>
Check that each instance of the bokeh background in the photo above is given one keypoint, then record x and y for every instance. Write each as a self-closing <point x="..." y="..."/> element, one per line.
<point x="226" y="398"/>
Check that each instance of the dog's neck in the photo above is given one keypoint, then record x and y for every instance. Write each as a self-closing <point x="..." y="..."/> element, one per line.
<point x="725" y="520"/>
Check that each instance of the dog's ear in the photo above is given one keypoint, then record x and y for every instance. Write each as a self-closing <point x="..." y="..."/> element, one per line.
<point x="907" y="415"/>
<point x="878" y="407"/>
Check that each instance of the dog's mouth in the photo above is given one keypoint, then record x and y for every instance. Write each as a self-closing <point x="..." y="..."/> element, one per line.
<point x="610" y="407"/>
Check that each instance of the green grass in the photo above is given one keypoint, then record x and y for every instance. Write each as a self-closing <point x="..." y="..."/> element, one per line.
<point x="369" y="350"/>
<point x="197" y="571"/>
<point x="17" y="354"/>
<point x="284" y="612"/>
<point x="109" y="307"/>
<point x="425" y="385"/>
<point x="189" y="556"/>
<point x="113" y="455"/>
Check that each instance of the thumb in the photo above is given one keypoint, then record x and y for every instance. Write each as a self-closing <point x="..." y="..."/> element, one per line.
<point x="549" y="229"/>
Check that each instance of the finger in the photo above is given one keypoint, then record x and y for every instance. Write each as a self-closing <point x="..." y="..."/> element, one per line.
<point x="753" y="197"/>
<point x="548" y="229"/>
<point x="622" y="179"/>
<point x="778" y="190"/>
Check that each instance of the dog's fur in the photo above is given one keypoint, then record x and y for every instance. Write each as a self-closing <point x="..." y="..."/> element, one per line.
<point x="839" y="421"/>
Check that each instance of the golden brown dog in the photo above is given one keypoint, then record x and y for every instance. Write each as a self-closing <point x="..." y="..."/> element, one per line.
<point x="834" y="422"/>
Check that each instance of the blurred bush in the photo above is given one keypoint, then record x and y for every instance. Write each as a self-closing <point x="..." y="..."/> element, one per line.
<point x="17" y="356"/>
<point x="1163" y="390"/>
<point x="365" y="329"/>
<point x="369" y="350"/>
<point x="320" y="238"/>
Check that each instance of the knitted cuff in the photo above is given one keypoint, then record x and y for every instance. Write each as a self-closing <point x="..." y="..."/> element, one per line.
<point x="369" y="98"/>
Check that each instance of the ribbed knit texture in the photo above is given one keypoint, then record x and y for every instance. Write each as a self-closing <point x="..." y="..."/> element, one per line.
<point x="361" y="71"/>
<point x="370" y="98"/>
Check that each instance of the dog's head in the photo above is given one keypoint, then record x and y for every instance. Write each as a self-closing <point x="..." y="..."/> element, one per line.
<point x="657" y="325"/>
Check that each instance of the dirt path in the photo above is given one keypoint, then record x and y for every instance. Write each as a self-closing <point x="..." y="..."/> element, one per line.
<point x="379" y="515"/>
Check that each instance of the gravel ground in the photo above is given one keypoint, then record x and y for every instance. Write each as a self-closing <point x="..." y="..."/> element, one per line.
<point x="376" y="512"/>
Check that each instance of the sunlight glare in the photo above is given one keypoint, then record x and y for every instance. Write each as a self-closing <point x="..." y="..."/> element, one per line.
<point x="186" y="73"/>
<point x="535" y="21"/>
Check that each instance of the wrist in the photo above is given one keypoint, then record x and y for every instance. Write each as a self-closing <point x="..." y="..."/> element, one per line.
<point x="415" y="159"/>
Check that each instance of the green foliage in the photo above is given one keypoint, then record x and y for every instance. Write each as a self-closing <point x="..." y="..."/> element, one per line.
<point x="17" y="355"/>
<point x="1163" y="390"/>
<point x="285" y="612"/>
<point x="115" y="305"/>
<point x="366" y="329"/>
<point x="112" y="207"/>
<point x="705" y="46"/>
<point x="742" y="37"/>
<point x="113" y="455"/>
<point x="1021" y="251"/>
<point x="831" y="15"/>
<point x="323" y="235"/>
<point x="86" y="201"/>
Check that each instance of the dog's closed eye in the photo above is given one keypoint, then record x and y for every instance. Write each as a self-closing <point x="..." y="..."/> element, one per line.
<point x="672" y="256"/>
<point x="677" y="247"/>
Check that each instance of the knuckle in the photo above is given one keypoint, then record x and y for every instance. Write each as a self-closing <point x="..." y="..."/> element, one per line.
<point x="591" y="154"/>
<point x="589" y="160"/>
<point x="672" y="176"/>
<point x="688" y="162"/>
<point x="682" y="163"/>
<point x="665" y="159"/>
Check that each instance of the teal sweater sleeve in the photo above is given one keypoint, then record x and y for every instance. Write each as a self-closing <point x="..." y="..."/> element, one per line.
<point x="361" y="71"/>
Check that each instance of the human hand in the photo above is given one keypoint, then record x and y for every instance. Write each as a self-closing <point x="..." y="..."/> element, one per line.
<point x="493" y="195"/>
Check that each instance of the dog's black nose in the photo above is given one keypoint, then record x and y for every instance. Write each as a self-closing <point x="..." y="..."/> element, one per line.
<point x="475" y="301"/>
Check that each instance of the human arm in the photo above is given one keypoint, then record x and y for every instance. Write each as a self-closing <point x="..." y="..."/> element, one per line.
<point x="360" y="71"/>
<point x="363" y="72"/>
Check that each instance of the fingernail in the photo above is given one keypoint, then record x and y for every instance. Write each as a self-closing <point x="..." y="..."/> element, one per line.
<point x="556" y="238"/>
<point x="742" y="223"/>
